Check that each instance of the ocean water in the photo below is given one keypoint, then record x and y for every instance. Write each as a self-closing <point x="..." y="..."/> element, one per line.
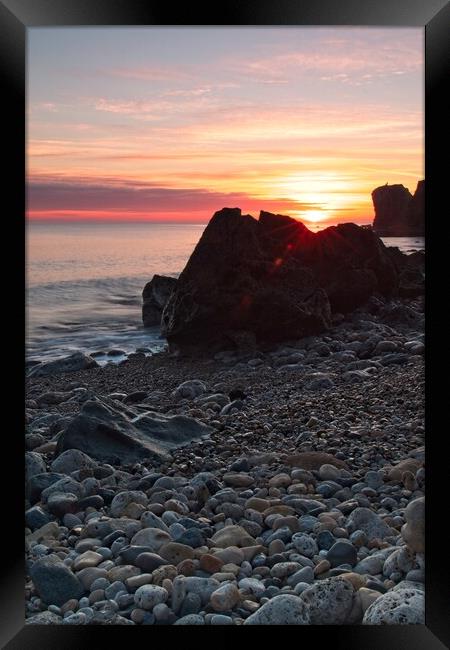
<point x="84" y="283"/>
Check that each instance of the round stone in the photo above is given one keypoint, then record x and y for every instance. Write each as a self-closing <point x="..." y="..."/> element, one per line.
<point x="330" y="601"/>
<point x="397" y="607"/>
<point x="304" y="544"/>
<point x="147" y="596"/>
<point x="281" y="610"/>
<point x="342" y="552"/>
<point x="225" y="598"/>
<point x="413" y="531"/>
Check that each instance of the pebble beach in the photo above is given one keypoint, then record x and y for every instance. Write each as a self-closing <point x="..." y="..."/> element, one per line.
<point x="301" y="503"/>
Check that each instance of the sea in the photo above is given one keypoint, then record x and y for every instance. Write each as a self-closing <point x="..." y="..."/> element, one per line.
<point x="84" y="284"/>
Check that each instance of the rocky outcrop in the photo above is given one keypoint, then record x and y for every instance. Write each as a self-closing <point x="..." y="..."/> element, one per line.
<point x="154" y="298"/>
<point x="272" y="279"/>
<point x="411" y="272"/>
<point x="122" y="435"/>
<point x="397" y="212"/>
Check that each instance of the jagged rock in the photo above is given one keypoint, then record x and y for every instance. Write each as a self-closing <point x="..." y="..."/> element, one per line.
<point x="72" y="363"/>
<point x="397" y="212"/>
<point x="154" y="298"/>
<point x="271" y="279"/>
<point x="114" y="436"/>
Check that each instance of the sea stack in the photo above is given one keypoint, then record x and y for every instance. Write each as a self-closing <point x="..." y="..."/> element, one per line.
<point x="397" y="212"/>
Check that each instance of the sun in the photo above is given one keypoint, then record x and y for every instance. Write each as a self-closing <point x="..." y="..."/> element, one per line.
<point x="314" y="216"/>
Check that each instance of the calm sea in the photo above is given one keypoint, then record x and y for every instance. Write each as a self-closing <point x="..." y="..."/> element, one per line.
<point x="84" y="283"/>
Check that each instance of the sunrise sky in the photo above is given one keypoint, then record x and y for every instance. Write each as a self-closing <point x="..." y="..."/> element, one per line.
<point x="172" y="124"/>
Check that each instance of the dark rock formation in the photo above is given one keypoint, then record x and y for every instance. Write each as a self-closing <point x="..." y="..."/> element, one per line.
<point x="416" y="212"/>
<point x="397" y="212"/>
<point x="272" y="278"/>
<point x="411" y="272"/>
<point x="122" y="435"/>
<point x="155" y="296"/>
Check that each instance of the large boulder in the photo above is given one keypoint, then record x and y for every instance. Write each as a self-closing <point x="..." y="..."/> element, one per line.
<point x="397" y="212"/>
<point x="110" y="435"/>
<point x="54" y="581"/>
<point x="155" y="295"/>
<point x="403" y="606"/>
<point x="285" y="609"/>
<point x="272" y="279"/>
<point x="72" y="363"/>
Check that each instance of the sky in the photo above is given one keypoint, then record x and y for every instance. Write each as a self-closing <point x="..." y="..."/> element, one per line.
<point x="173" y="124"/>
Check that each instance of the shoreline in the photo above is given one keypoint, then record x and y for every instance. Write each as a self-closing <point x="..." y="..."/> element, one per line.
<point x="265" y="518"/>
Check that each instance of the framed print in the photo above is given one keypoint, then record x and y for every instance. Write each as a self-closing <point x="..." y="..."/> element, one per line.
<point x="222" y="221"/>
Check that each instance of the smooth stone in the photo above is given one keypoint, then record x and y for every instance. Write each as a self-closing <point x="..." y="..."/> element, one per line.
<point x="149" y="561"/>
<point x="54" y="582"/>
<point x="72" y="460"/>
<point x="283" y="569"/>
<point x="114" y="588"/>
<point x="123" y="500"/>
<point x="210" y="563"/>
<point x="175" y="552"/>
<point x="304" y="544"/>
<point x="329" y="472"/>
<point x="147" y="596"/>
<point x="191" y="619"/>
<point x="232" y="536"/>
<point x="89" y="575"/>
<point x="192" y="604"/>
<point x="154" y="538"/>
<point x="342" y="552"/>
<point x="192" y="537"/>
<point x="137" y="581"/>
<point x="221" y="619"/>
<point x="225" y="598"/>
<point x="123" y="572"/>
<point x="305" y="575"/>
<point x="34" y="464"/>
<point x="150" y="520"/>
<point x="87" y="559"/>
<point x="36" y="517"/>
<point x="367" y="597"/>
<point x="369" y="522"/>
<point x="238" y="480"/>
<point x="325" y="540"/>
<point x="203" y="587"/>
<point x="281" y="610"/>
<point x="413" y="531"/>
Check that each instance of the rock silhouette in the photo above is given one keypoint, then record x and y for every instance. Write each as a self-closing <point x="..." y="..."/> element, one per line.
<point x="397" y="212"/>
<point x="154" y="297"/>
<point x="272" y="279"/>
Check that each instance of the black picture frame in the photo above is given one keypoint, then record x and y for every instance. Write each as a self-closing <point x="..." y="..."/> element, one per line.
<point x="16" y="16"/>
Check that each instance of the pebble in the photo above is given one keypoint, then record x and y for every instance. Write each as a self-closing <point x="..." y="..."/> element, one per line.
<point x="147" y="596"/>
<point x="225" y="598"/>
<point x="281" y="610"/>
<point x="305" y="544"/>
<point x="403" y="607"/>
<point x="330" y="601"/>
<point x="342" y="552"/>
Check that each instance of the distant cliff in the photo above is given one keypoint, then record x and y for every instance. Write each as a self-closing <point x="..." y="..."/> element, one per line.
<point x="397" y="212"/>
